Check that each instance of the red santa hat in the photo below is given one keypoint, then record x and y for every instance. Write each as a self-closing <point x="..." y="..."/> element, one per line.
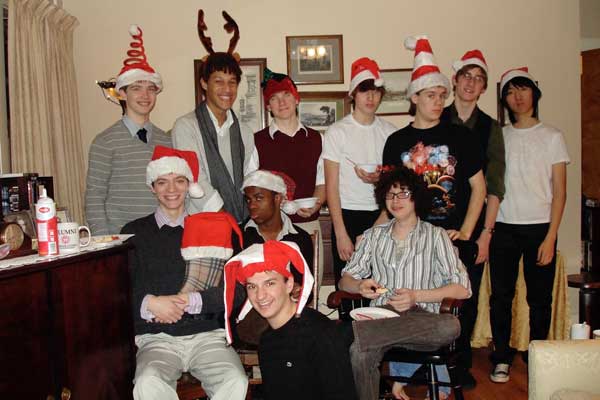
<point x="172" y="161"/>
<point x="135" y="67"/>
<point x="513" y="73"/>
<point x="276" y="181"/>
<point x="208" y="234"/>
<point x="271" y="256"/>
<point x="471" y="57"/>
<point x="275" y="82"/>
<point x="364" y="69"/>
<point x="426" y="73"/>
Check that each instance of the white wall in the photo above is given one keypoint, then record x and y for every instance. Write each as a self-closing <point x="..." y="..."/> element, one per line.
<point x="542" y="34"/>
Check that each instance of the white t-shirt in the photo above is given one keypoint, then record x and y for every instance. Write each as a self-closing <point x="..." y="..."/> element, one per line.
<point x="348" y="140"/>
<point x="530" y="154"/>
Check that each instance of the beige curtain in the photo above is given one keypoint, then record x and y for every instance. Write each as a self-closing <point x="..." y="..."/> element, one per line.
<point x="44" y="123"/>
<point x="519" y="338"/>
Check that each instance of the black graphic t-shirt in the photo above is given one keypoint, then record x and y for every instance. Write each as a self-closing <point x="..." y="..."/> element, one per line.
<point x="446" y="156"/>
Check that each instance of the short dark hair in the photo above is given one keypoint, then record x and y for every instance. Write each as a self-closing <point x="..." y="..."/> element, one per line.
<point x="365" y="86"/>
<point x="466" y="69"/>
<point x="223" y="62"/>
<point x="404" y="177"/>
<point x="412" y="109"/>
<point x="521" y="82"/>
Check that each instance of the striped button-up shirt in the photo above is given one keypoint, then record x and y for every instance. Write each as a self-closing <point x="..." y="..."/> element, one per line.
<point x="429" y="261"/>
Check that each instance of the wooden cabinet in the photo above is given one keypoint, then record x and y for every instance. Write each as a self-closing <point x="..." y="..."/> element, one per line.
<point x="68" y="323"/>
<point x="325" y="222"/>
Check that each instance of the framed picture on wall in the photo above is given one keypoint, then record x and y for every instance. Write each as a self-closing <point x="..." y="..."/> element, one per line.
<point x="395" y="101"/>
<point x="318" y="110"/>
<point x="317" y="59"/>
<point x="249" y="105"/>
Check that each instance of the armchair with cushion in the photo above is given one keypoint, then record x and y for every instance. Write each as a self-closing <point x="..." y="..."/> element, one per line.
<point x="564" y="370"/>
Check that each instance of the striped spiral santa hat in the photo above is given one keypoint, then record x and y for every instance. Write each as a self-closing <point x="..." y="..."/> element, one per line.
<point x="136" y="67"/>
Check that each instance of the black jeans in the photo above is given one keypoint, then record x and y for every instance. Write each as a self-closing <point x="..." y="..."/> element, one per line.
<point x="509" y="243"/>
<point x="356" y="222"/>
<point x="468" y="317"/>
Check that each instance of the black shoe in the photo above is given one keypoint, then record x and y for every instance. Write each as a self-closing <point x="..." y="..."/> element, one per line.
<point x="467" y="379"/>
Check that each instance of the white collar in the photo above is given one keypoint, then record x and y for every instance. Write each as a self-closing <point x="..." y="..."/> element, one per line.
<point x="228" y="122"/>
<point x="273" y="128"/>
<point x="286" y="228"/>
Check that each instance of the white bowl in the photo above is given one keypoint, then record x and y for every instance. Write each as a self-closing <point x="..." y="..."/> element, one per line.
<point x="306" y="202"/>
<point x="368" y="167"/>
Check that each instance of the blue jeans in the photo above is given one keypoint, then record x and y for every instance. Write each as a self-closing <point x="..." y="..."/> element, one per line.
<point x="407" y="369"/>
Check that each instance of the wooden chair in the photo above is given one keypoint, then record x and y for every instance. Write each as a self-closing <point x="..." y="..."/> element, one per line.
<point x="316" y="250"/>
<point x="344" y="302"/>
<point x="189" y="388"/>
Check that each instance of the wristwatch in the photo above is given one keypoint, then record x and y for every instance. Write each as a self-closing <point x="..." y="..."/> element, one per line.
<point x="489" y="230"/>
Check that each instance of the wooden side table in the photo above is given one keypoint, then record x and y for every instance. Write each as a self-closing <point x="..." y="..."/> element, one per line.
<point x="589" y="297"/>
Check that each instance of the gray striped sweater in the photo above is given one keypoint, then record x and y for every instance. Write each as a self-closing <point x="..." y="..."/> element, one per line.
<point x="116" y="190"/>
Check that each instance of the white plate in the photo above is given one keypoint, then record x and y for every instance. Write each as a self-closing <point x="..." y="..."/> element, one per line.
<point x="367" y="313"/>
<point x="306" y="202"/>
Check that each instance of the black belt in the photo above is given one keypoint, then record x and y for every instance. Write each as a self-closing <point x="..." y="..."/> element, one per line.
<point x="202" y="316"/>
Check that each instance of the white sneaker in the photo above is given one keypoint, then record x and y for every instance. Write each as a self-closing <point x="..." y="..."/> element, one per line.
<point x="500" y="374"/>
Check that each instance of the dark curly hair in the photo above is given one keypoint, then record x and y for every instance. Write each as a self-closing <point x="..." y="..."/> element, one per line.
<point x="401" y="176"/>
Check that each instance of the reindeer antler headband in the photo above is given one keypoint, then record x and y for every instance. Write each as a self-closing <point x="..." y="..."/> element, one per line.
<point x="230" y="26"/>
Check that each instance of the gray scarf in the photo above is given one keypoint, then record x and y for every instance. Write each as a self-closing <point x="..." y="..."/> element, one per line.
<point x="228" y="188"/>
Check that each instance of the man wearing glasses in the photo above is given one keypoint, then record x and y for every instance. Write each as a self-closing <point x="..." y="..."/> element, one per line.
<point x="469" y="83"/>
<point x="406" y="264"/>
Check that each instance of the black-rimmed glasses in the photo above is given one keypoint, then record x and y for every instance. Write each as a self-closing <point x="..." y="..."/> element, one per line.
<point x="405" y="194"/>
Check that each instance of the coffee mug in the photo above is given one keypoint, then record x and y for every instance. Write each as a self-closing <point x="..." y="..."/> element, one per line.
<point x="596" y="334"/>
<point x="68" y="237"/>
<point x="580" y="331"/>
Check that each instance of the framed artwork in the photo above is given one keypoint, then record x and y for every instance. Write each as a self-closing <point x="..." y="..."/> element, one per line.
<point x="63" y="215"/>
<point x="249" y="105"/>
<point x="314" y="60"/>
<point x="318" y="110"/>
<point x="395" y="101"/>
<point x="25" y="220"/>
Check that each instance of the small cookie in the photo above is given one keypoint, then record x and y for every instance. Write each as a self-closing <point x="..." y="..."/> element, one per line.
<point x="381" y="290"/>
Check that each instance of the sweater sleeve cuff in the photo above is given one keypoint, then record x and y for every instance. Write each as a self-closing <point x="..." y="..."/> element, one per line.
<point x="144" y="312"/>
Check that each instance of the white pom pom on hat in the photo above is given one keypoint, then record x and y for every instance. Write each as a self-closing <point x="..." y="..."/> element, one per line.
<point x="134" y="30"/>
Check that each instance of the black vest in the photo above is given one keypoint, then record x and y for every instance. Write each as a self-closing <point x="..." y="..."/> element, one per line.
<point x="482" y="128"/>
